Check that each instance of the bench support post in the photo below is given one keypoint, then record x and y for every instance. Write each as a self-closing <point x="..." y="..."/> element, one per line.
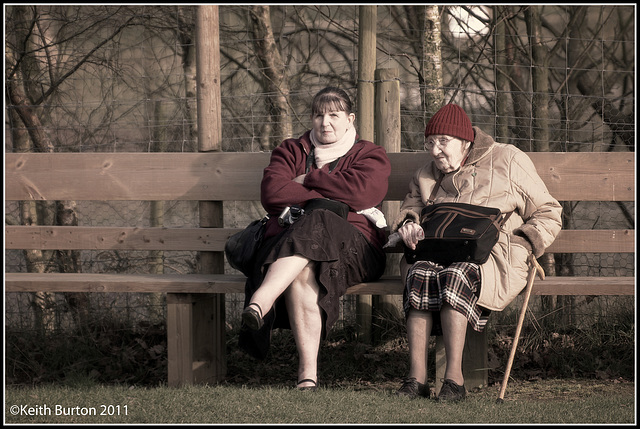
<point x="179" y="339"/>
<point x="195" y="339"/>
<point x="475" y="363"/>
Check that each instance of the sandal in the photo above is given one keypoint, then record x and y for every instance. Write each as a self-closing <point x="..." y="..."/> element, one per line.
<point x="252" y="318"/>
<point x="308" y="388"/>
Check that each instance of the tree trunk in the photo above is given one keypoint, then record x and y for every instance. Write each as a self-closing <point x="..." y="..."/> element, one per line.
<point x="521" y="112"/>
<point x="540" y="121"/>
<point x="156" y="214"/>
<point x="69" y="262"/>
<point x="58" y="213"/>
<point x="274" y="80"/>
<point x="431" y="90"/>
<point x="501" y="75"/>
<point x="190" y="83"/>
<point x="540" y="80"/>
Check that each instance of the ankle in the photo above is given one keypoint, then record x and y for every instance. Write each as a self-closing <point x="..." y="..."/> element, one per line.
<point x="256" y="306"/>
<point x="458" y="379"/>
<point x="420" y="377"/>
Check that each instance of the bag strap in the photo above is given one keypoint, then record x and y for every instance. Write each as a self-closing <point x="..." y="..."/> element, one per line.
<point x="432" y="197"/>
<point x="504" y="219"/>
<point x="312" y="158"/>
<point x="435" y="191"/>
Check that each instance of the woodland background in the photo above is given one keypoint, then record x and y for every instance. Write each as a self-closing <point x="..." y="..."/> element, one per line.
<point x="122" y="79"/>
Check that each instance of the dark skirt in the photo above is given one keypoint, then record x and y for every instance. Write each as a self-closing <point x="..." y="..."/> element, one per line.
<point x="428" y="286"/>
<point x="343" y="258"/>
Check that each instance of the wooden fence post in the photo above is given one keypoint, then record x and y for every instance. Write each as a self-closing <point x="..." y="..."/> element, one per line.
<point x="199" y="355"/>
<point x="388" y="135"/>
<point x="365" y="120"/>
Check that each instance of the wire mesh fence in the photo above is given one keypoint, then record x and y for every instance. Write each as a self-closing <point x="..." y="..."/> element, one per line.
<point x="122" y="79"/>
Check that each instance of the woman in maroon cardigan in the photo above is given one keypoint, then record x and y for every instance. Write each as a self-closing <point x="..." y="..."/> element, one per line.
<point x="308" y="260"/>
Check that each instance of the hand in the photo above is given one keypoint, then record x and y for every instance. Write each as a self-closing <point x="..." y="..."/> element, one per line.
<point x="300" y="179"/>
<point x="411" y="233"/>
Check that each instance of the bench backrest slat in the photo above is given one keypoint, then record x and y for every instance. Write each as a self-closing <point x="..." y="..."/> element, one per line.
<point x="584" y="176"/>
<point x="213" y="239"/>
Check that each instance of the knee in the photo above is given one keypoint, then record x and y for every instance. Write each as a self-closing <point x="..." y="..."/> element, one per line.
<point x="306" y="272"/>
<point x="419" y="317"/>
<point x="305" y="283"/>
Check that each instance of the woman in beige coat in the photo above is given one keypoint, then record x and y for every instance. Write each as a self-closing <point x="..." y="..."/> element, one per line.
<point x="442" y="300"/>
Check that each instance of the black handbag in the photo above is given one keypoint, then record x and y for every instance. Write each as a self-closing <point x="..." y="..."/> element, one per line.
<point x="241" y="248"/>
<point x="457" y="232"/>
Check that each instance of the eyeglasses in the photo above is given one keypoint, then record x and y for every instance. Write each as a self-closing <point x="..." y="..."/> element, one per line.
<point x="441" y="142"/>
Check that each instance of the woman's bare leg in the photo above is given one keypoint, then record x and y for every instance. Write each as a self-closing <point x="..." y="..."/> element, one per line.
<point x="454" y="332"/>
<point x="305" y="318"/>
<point x="279" y="276"/>
<point x="294" y="276"/>
<point x="419" y="324"/>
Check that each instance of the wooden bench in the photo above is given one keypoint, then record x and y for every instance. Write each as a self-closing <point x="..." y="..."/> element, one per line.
<point x="195" y="306"/>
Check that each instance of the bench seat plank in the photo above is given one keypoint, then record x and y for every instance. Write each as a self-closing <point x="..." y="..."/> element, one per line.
<point x="230" y="283"/>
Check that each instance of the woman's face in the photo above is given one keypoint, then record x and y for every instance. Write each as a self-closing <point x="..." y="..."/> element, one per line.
<point x="331" y="126"/>
<point x="448" y="152"/>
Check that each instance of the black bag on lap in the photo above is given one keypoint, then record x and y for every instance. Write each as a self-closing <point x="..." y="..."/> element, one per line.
<point x="457" y="232"/>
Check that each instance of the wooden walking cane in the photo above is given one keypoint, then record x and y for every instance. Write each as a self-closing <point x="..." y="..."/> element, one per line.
<point x="534" y="268"/>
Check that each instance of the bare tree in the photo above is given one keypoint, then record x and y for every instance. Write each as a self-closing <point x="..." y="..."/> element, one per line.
<point x="539" y="80"/>
<point x="274" y="78"/>
<point x="36" y="72"/>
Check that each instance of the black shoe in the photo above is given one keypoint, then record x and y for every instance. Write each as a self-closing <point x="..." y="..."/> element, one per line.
<point x="412" y="388"/>
<point x="451" y="392"/>
<point x="252" y="318"/>
<point x="308" y="388"/>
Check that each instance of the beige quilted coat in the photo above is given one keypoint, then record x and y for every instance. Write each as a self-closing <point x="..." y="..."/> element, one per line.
<point x="502" y="176"/>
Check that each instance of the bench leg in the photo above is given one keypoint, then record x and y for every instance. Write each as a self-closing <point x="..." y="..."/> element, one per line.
<point x="195" y="339"/>
<point x="475" y="362"/>
<point x="364" y="312"/>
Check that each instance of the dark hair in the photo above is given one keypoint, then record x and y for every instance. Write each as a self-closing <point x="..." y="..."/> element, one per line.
<point x="331" y="99"/>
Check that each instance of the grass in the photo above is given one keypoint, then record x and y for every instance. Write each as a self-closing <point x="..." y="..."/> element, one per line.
<point x="544" y="401"/>
<point x="562" y="374"/>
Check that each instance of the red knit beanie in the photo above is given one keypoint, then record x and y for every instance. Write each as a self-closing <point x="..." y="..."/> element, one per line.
<point x="450" y="120"/>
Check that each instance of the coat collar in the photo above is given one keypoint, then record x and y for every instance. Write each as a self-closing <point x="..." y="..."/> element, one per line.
<point x="481" y="145"/>
<point x="305" y="141"/>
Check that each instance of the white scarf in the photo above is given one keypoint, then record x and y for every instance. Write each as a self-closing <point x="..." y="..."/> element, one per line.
<point x="327" y="153"/>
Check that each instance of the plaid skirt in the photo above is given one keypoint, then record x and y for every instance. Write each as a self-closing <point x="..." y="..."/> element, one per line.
<point x="429" y="285"/>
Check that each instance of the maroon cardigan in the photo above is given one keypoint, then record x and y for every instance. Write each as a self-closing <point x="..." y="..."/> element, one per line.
<point x="360" y="180"/>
